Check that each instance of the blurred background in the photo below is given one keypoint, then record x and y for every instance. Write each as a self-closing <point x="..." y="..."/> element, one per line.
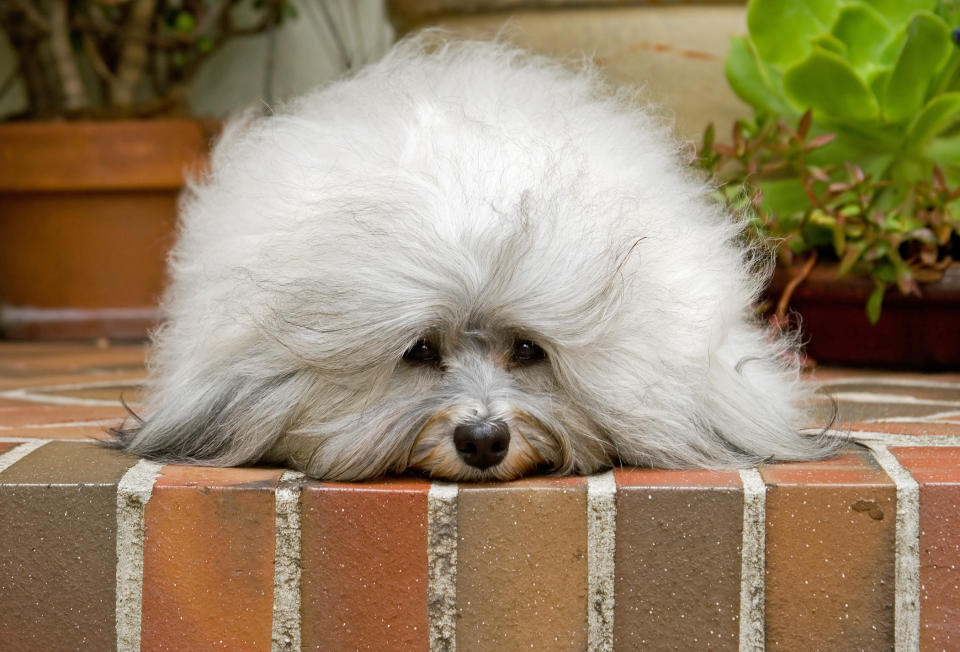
<point x="834" y="129"/>
<point x="675" y="50"/>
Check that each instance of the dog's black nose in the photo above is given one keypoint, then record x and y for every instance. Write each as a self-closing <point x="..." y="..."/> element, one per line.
<point x="482" y="444"/>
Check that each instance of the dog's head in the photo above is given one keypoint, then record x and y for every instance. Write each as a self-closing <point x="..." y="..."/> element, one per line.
<point x="478" y="353"/>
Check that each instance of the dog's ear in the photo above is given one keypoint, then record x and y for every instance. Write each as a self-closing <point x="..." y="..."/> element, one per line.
<point x="228" y="420"/>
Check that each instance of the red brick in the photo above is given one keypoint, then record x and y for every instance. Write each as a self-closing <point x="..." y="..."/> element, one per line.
<point x="522" y="565"/>
<point x="937" y="470"/>
<point x="830" y="550"/>
<point x="208" y="559"/>
<point x="7" y="446"/>
<point x="678" y="545"/>
<point x="364" y="582"/>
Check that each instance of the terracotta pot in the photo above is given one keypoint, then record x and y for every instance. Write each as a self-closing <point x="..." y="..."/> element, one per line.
<point x="913" y="332"/>
<point x="87" y="214"/>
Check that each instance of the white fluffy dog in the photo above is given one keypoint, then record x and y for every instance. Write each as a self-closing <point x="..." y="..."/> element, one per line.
<point x="472" y="263"/>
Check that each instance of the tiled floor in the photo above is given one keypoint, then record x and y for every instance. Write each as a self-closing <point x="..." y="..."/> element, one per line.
<point x="98" y="550"/>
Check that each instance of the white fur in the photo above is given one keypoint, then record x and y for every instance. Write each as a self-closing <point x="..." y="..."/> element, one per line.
<point x="474" y="194"/>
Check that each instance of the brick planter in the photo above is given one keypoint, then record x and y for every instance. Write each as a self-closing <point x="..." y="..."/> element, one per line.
<point x="86" y="218"/>
<point x="103" y="551"/>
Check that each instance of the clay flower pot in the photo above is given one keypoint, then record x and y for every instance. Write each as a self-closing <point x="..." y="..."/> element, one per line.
<point x="913" y="332"/>
<point x="87" y="215"/>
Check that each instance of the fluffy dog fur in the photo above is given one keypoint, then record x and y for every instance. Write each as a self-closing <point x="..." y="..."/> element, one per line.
<point x="470" y="198"/>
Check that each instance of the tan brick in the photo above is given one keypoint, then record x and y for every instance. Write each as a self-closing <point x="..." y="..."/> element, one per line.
<point x="678" y="559"/>
<point x="522" y="565"/>
<point x="58" y="548"/>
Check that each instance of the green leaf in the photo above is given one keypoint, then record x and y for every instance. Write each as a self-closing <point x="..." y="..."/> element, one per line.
<point x="898" y="12"/>
<point x="205" y="44"/>
<point x="185" y="24"/>
<point x="875" y="302"/>
<point x="938" y="114"/>
<point x="839" y="240"/>
<point x="920" y="61"/>
<point x="782" y="29"/>
<point x="864" y="32"/>
<point x="850" y="258"/>
<point x="949" y="79"/>
<point x="830" y="43"/>
<point x="784" y="197"/>
<point x="752" y="81"/>
<point x="944" y="150"/>
<point x="877" y="79"/>
<point x="827" y="84"/>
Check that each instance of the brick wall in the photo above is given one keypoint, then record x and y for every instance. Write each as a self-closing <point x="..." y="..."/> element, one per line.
<point x="99" y="550"/>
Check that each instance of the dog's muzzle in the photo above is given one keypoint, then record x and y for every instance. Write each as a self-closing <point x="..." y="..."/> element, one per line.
<point x="482" y="444"/>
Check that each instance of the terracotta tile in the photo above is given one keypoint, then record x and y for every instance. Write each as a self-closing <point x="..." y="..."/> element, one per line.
<point x="58" y="559"/>
<point x="942" y="393"/>
<point x="522" y="565"/>
<point x="39" y="414"/>
<point x="827" y="374"/>
<point x="906" y="428"/>
<point x="208" y="559"/>
<point x="678" y="559"/>
<point x="103" y="393"/>
<point x="830" y="555"/>
<point x="9" y="381"/>
<point x="364" y="582"/>
<point x="12" y="349"/>
<point x="90" y="431"/>
<point x="850" y="411"/>
<point x="937" y="470"/>
<point x="6" y="446"/>
<point x="55" y="358"/>
<point x="12" y="404"/>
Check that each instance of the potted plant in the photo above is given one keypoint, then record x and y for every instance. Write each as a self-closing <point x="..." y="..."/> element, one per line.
<point x="863" y="193"/>
<point x="90" y="170"/>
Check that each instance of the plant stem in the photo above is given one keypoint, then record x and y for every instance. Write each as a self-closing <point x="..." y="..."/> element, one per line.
<point x="133" y="54"/>
<point x="71" y="83"/>
<point x="795" y="280"/>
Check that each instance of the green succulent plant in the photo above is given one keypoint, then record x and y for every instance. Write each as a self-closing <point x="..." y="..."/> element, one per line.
<point x="875" y="87"/>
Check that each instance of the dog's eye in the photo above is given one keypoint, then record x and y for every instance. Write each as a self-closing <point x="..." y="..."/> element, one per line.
<point x="526" y="352"/>
<point x="422" y="353"/>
